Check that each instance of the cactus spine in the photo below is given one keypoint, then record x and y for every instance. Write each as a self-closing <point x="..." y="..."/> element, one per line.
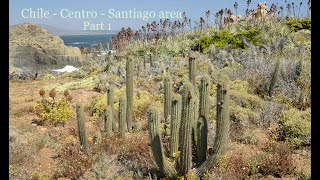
<point x="222" y="125"/>
<point x="188" y="103"/>
<point x="175" y="124"/>
<point x="192" y="69"/>
<point x="274" y="77"/>
<point x="110" y="102"/>
<point x="167" y="98"/>
<point x="108" y="119"/>
<point x="202" y="124"/>
<point x="81" y="128"/>
<point x="122" y="116"/>
<point x="156" y="144"/>
<point x="129" y="92"/>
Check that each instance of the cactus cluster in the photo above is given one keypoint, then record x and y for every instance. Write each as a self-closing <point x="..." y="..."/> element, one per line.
<point x="189" y="127"/>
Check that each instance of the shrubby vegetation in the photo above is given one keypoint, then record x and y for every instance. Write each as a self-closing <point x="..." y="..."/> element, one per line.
<point x="224" y="37"/>
<point x="54" y="111"/>
<point x="299" y="24"/>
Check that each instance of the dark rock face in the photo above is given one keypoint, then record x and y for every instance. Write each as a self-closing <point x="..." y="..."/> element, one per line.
<point x="33" y="49"/>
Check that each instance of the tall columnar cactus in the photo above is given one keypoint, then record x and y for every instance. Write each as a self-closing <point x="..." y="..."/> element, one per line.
<point x="110" y="102"/>
<point x="108" y="120"/>
<point x="156" y="144"/>
<point x="151" y="60"/>
<point x="129" y="92"/>
<point x="122" y="116"/>
<point x="188" y="102"/>
<point x="144" y="63"/>
<point x="81" y="128"/>
<point x="298" y="70"/>
<point x="222" y="125"/>
<point x="192" y="69"/>
<point x="167" y="97"/>
<point x="274" y="77"/>
<point x="202" y="123"/>
<point x="175" y="124"/>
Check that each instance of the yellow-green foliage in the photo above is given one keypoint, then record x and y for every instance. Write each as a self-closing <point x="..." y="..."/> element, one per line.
<point x="48" y="76"/>
<point x="37" y="176"/>
<point x="54" y="111"/>
<point x="203" y="66"/>
<point x="243" y="105"/>
<point x="98" y="105"/>
<point x="299" y="24"/>
<point x="141" y="102"/>
<point x="84" y="83"/>
<point x="301" y="38"/>
<point x="225" y="37"/>
<point x="296" y="126"/>
<point x="243" y="114"/>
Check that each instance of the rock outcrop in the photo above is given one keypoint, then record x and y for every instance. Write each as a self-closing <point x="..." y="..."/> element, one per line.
<point x="33" y="49"/>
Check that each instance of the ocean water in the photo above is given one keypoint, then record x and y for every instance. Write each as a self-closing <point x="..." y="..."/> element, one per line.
<point x="86" y="40"/>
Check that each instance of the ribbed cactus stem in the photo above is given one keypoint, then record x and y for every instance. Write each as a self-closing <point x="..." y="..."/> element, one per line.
<point x="274" y="77"/>
<point x="156" y="144"/>
<point x="167" y="98"/>
<point x="175" y="124"/>
<point x="122" y="116"/>
<point x="81" y="128"/>
<point x="298" y="70"/>
<point x="186" y="127"/>
<point x="151" y="60"/>
<point x="108" y="119"/>
<point x="192" y="69"/>
<point x="202" y="123"/>
<point x="110" y="102"/>
<point x="222" y="126"/>
<point x="144" y="63"/>
<point x="129" y="92"/>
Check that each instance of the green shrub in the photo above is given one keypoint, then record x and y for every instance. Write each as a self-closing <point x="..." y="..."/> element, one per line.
<point x="53" y="112"/>
<point x="37" y="176"/>
<point x="299" y="24"/>
<point x="224" y="37"/>
<point x="296" y="126"/>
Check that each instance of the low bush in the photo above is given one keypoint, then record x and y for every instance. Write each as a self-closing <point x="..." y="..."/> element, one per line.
<point x="54" y="111"/>
<point x="295" y="127"/>
<point x="299" y="24"/>
<point x="224" y="37"/>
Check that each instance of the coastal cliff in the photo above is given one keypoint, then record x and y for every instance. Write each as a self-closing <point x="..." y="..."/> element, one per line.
<point x="32" y="48"/>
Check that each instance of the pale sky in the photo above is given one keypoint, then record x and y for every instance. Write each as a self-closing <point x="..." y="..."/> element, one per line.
<point x="193" y="8"/>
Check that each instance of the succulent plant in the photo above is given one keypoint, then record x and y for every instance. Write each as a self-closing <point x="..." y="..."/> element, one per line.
<point x="122" y="116"/>
<point x="129" y="92"/>
<point x="188" y="117"/>
<point x="81" y="128"/>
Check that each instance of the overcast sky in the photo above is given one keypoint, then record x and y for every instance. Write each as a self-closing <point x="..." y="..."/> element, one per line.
<point x="193" y="8"/>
